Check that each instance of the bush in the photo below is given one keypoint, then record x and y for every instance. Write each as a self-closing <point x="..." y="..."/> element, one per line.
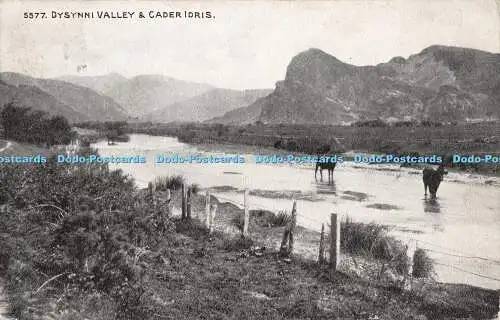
<point x="423" y="265"/>
<point x="37" y="127"/>
<point x="169" y="182"/>
<point x="87" y="223"/>
<point x="194" y="188"/>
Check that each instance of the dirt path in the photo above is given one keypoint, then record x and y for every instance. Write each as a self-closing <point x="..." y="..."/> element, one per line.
<point x="7" y="145"/>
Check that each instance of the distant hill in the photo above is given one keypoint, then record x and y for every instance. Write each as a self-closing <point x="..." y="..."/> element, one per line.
<point x="440" y="83"/>
<point x="141" y="95"/>
<point x="37" y="99"/>
<point x="100" y="84"/>
<point x="207" y="105"/>
<point x="243" y="115"/>
<point x="75" y="102"/>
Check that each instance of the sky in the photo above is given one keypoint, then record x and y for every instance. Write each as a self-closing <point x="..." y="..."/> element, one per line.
<point x="245" y="45"/>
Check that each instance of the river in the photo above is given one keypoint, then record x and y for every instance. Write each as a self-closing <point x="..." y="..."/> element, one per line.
<point x="460" y="229"/>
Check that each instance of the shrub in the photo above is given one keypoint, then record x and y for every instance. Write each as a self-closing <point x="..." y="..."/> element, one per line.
<point x="85" y="222"/>
<point x="291" y="145"/>
<point x="169" y="182"/>
<point x="194" y="188"/>
<point x="423" y="265"/>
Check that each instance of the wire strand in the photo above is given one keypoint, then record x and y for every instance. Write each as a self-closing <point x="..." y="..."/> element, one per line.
<point x="463" y="256"/>
<point x="467" y="271"/>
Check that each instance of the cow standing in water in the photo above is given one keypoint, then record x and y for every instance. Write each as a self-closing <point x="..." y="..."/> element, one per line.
<point x="326" y="165"/>
<point x="432" y="178"/>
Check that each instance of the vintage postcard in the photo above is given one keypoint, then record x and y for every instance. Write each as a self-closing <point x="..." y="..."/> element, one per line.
<point x="249" y="159"/>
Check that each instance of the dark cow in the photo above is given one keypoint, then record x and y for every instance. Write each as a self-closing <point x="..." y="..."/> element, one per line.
<point x="326" y="165"/>
<point x="432" y="178"/>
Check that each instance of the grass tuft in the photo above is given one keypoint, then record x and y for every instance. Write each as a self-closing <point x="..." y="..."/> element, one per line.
<point x="263" y="219"/>
<point x="169" y="182"/>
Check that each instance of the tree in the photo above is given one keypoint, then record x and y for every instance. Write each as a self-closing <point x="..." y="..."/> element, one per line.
<point x="24" y="125"/>
<point x="115" y="130"/>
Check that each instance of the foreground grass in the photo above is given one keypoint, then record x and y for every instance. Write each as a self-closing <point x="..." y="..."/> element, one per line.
<point x="227" y="281"/>
<point x="112" y="255"/>
<point x="213" y="277"/>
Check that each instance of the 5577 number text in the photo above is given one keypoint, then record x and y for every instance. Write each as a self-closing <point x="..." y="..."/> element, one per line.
<point x="35" y="15"/>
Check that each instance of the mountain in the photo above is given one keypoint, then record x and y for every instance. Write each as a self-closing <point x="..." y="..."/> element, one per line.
<point x="440" y="82"/>
<point x="56" y="97"/>
<point x="100" y="84"/>
<point x="143" y="94"/>
<point x="207" y="105"/>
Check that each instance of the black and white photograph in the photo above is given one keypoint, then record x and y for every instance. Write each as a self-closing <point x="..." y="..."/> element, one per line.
<point x="322" y="159"/>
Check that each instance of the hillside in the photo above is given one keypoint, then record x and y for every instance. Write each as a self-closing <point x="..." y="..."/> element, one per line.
<point x="242" y="115"/>
<point x="75" y="102"/>
<point x="37" y="99"/>
<point x="143" y="94"/>
<point x="101" y="84"/>
<point x="213" y="103"/>
<point x="443" y="83"/>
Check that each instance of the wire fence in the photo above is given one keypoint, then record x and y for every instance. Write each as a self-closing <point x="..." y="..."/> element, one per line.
<point x="419" y="243"/>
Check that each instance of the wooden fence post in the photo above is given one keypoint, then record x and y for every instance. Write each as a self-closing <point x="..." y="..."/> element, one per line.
<point x="246" y="220"/>
<point x="213" y="210"/>
<point x="292" y="227"/>
<point x="321" y="257"/>
<point x="207" y="209"/>
<point x="335" y="241"/>
<point x="150" y="189"/>
<point x="188" y="203"/>
<point x="169" y="204"/>
<point x="284" y="241"/>
<point x="411" y="248"/>
<point x="183" y="190"/>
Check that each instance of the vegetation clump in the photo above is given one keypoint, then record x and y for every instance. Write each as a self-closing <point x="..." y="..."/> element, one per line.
<point x="262" y="218"/>
<point x="169" y="182"/>
<point x="423" y="265"/>
<point x="372" y="240"/>
<point x="36" y="127"/>
<point x="73" y="232"/>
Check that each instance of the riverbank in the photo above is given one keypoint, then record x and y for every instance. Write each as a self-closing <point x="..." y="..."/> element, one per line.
<point x="426" y="299"/>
